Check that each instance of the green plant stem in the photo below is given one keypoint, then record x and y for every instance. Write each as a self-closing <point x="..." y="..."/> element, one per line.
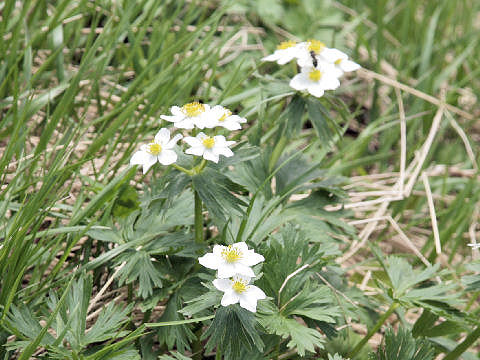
<point x="373" y="331"/>
<point x="218" y="355"/>
<point x="182" y="169"/>
<point x="277" y="152"/>
<point x="198" y="219"/>
<point x="464" y="345"/>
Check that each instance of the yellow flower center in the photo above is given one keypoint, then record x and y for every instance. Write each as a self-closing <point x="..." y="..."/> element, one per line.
<point x="208" y="142"/>
<point x="193" y="109"/>
<point x="286" y="44"/>
<point x="239" y="286"/>
<point x="231" y="254"/>
<point x="315" y="46"/>
<point x="315" y="75"/>
<point x="226" y="114"/>
<point x="154" y="148"/>
<point x="338" y="61"/>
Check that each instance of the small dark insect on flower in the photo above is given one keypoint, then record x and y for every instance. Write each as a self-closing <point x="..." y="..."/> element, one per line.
<point x="314" y="58"/>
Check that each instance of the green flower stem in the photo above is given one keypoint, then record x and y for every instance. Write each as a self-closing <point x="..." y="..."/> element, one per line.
<point x="218" y="355"/>
<point x="373" y="331"/>
<point x="464" y="345"/>
<point x="182" y="169"/>
<point x="198" y="218"/>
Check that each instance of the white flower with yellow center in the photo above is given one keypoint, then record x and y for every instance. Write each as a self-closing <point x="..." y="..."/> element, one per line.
<point x="210" y="147"/>
<point x="220" y="116"/>
<point x="189" y="115"/>
<point x="286" y="52"/>
<point x="231" y="260"/>
<point x="310" y="50"/>
<point x="238" y="290"/>
<point x="158" y="150"/>
<point x="339" y="59"/>
<point x="316" y="79"/>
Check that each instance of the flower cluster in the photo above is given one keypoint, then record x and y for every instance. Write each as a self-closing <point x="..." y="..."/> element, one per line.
<point x="233" y="264"/>
<point x="189" y="116"/>
<point x="320" y="67"/>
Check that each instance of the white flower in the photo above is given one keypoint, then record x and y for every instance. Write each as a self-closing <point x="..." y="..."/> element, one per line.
<point x="210" y="147"/>
<point x="231" y="260"/>
<point x="316" y="80"/>
<point x="309" y="51"/>
<point x="286" y="52"/>
<point x="189" y="115"/>
<point x="339" y="59"/>
<point x="239" y="290"/>
<point x="220" y="116"/>
<point x="474" y="246"/>
<point x="158" y="150"/>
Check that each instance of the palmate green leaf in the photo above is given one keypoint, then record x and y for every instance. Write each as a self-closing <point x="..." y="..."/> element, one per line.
<point x="216" y="191"/>
<point x="69" y="323"/>
<point x="109" y="321"/>
<point x="174" y="355"/>
<point x="207" y="300"/>
<point x="472" y="282"/>
<point x="415" y="286"/>
<point x="301" y="337"/>
<point x="285" y="253"/>
<point x="321" y="121"/>
<point x="314" y="302"/>
<point x="178" y="336"/>
<point x="233" y="331"/>
<point x="402" y="346"/>
<point x="140" y="266"/>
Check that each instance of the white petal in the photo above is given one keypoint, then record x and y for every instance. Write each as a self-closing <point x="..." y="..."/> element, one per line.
<point x="139" y="158"/>
<point x="223" y="284"/>
<point x="347" y="66"/>
<point x="226" y="270"/>
<point x="192" y="141"/>
<point x="229" y="298"/>
<point x="329" y="82"/>
<point x="331" y="55"/>
<point x="177" y="110"/>
<point x="230" y="125"/>
<point x="300" y="82"/>
<point x="195" y="150"/>
<point x="225" y="151"/>
<point x="143" y="158"/>
<point x="167" y="157"/>
<point x="249" y="303"/>
<point x="271" y="57"/>
<point x="186" y="123"/>
<point x="256" y="292"/>
<point x="210" y="261"/>
<point x="172" y="118"/>
<point x="163" y="136"/>
<point x="241" y="269"/>
<point x="173" y="142"/>
<point x="237" y="118"/>
<point x="251" y="258"/>
<point x="242" y="246"/>
<point x="210" y="155"/>
<point x="218" y="249"/>
<point x="305" y="61"/>
<point x="201" y="136"/>
<point x="316" y="90"/>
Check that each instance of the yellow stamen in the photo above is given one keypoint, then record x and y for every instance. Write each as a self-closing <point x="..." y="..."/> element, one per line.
<point x="286" y="44"/>
<point x="338" y="61"/>
<point x="208" y="142"/>
<point x="239" y="286"/>
<point x="315" y="75"/>
<point x="315" y="46"/>
<point x="231" y="254"/>
<point x="193" y="109"/>
<point x="154" y="148"/>
<point x="226" y="114"/>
